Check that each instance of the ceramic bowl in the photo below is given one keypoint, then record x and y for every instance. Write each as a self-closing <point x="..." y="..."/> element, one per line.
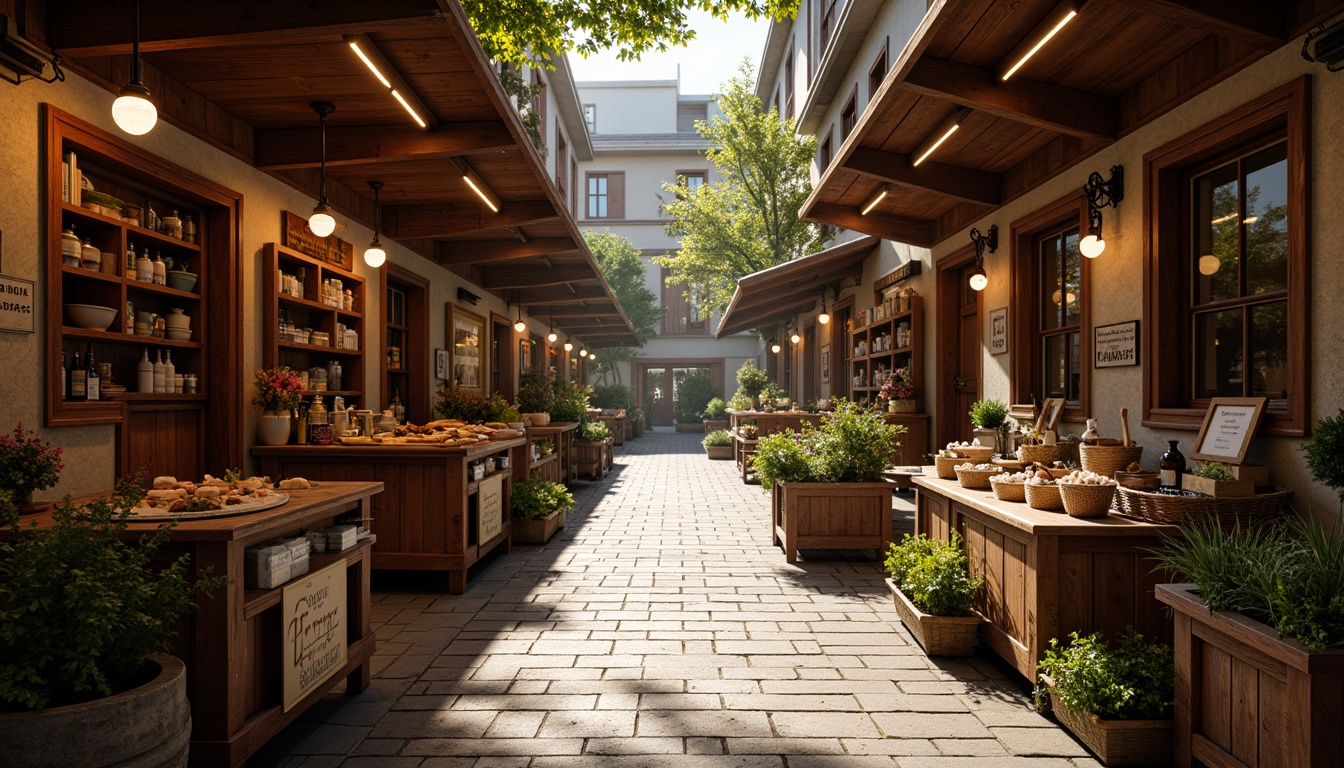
<point x="90" y="317"/>
<point x="182" y="281"/>
<point x="178" y="334"/>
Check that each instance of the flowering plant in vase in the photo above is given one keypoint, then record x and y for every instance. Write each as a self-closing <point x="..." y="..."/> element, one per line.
<point x="278" y="390"/>
<point x="27" y="464"/>
<point x="898" y="386"/>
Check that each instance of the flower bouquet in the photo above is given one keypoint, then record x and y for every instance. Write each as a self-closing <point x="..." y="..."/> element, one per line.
<point x="279" y="390"/>
<point x="27" y="464"/>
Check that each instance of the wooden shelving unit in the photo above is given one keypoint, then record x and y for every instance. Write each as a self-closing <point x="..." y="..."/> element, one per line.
<point x="310" y="313"/>
<point x="872" y="353"/>
<point x="162" y="432"/>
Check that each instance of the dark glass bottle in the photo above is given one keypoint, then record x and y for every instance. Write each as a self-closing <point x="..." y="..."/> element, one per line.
<point x="92" y="384"/>
<point x="1172" y="465"/>
<point x="65" y="377"/>
<point x="78" y="379"/>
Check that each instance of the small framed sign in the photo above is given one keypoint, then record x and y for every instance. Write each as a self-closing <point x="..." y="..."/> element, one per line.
<point x="1115" y="345"/>
<point x="17" y="305"/>
<point x="440" y="363"/>
<point x="825" y="363"/>
<point x="1051" y="410"/>
<point x="1228" y="428"/>
<point x="998" y="331"/>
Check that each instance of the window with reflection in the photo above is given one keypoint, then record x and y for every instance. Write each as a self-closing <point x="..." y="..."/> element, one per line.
<point x="1060" y="313"/>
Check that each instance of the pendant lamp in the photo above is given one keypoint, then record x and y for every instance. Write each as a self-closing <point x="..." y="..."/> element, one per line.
<point x="520" y="326"/>
<point x="322" y="223"/>
<point x="133" y="112"/>
<point x="374" y="255"/>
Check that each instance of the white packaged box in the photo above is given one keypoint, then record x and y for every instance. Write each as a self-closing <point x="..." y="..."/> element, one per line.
<point x="266" y="566"/>
<point x="298" y="556"/>
<point x="341" y="537"/>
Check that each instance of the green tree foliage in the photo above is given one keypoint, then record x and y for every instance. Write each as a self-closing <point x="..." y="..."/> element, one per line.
<point x="517" y="30"/>
<point x="622" y="267"/>
<point x="747" y="221"/>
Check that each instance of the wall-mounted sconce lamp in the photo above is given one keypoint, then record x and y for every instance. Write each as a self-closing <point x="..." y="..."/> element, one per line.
<point x="794" y="338"/>
<point x="1042" y="34"/>
<point x="979" y="280"/>
<point x="774" y="346"/>
<point x="824" y="317"/>
<point x="1100" y="194"/>
<point x="877" y="197"/>
<point x="944" y="132"/>
<point x="583" y="352"/>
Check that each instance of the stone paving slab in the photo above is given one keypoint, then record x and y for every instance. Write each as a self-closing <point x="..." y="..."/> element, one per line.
<point x="661" y="629"/>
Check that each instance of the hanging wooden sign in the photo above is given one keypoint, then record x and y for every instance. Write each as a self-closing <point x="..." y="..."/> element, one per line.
<point x="900" y="274"/>
<point x="329" y="250"/>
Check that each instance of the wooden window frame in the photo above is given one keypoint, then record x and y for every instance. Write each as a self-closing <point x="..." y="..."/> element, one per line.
<point x="826" y="150"/>
<point x="415" y="357"/>
<point x="574" y="185"/>
<point x="878" y="71"/>
<point x="1284" y="111"/>
<point x="615" y="194"/>
<point x="849" y="114"/>
<point x="788" y="83"/>
<point x="684" y="176"/>
<point x="1027" y="377"/>
<point x="561" y="162"/>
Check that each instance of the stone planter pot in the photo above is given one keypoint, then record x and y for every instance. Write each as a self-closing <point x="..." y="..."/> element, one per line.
<point x="273" y="429"/>
<point x="937" y="635"/>
<point x="719" y="451"/>
<point x="1115" y="742"/>
<point x="540" y="530"/>
<point x="1236" y="679"/>
<point x="145" y="727"/>
<point x="831" y="516"/>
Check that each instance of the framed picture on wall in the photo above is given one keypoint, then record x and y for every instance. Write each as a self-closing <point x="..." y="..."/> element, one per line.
<point x="465" y="332"/>
<point x="825" y="363"/>
<point x="440" y="363"/>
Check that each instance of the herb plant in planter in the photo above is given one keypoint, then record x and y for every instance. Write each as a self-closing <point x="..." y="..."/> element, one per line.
<point x="85" y="622"/>
<point x="933" y="589"/>
<point x="718" y="444"/>
<point x="539" y="509"/>
<point x="592" y="449"/>
<point x="989" y="417"/>
<point x="1117" y="699"/>
<point x="536" y="395"/>
<point x="751" y="381"/>
<point x="715" y="415"/>
<point x="1214" y="479"/>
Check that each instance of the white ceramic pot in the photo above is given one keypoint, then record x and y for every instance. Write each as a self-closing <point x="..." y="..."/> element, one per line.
<point x="538" y="419"/>
<point x="273" y="429"/>
<point x="177" y="320"/>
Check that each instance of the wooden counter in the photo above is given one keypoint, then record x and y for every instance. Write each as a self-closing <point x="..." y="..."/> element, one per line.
<point x="561" y="435"/>
<point x="1047" y="574"/>
<point x="778" y="421"/>
<point x="233" y="643"/>
<point x="428" y="518"/>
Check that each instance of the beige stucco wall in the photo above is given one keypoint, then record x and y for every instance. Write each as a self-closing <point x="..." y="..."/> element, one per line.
<point x="1116" y="293"/>
<point x="90" y="460"/>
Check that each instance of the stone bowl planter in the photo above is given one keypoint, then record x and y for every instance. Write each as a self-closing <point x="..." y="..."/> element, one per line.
<point x="937" y="635"/>
<point x="145" y="727"/>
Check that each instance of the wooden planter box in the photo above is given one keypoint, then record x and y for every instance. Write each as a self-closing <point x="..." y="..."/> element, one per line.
<point x="1219" y="489"/>
<point x="1116" y="742"/>
<point x="715" y="425"/>
<point x="719" y="451"/>
<point x="690" y="426"/>
<point x="937" y="635"/>
<point x="1245" y="696"/>
<point x="592" y="459"/>
<point x="831" y="516"/>
<point x="538" y="531"/>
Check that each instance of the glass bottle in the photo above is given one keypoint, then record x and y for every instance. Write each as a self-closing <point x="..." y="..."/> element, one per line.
<point x="145" y="374"/>
<point x="1172" y="465"/>
<point x="169" y="373"/>
<point x="78" y="379"/>
<point x="158" y="372"/>
<point x="71" y="248"/>
<point x="130" y="259"/>
<point x="160" y="270"/>
<point x="317" y="415"/>
<point x="303" y="423"/>
<point x="65" y="378"/>
<point x="91" y="380"/>
<point x="189" y="230"/>
<point x="144" y="268"/>
<point x="398" y="410"/>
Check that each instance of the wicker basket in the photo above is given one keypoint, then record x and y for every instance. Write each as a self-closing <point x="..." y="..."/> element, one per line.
<point x="976" y="478"/>
<point x="1116" y="742"/>
<point x="1044" y="497"/>
<point x="1086" y="500"/>
<point x="1174" y="510"/>
<point x="977" y="453"/>
<point x="947" y="466"/>
<point x="1038" y="454"/>
<point x="1006" y="491"/>
<point x="1108" y="459"/>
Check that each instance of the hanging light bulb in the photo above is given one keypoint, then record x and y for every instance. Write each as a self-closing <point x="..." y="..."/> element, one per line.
<point x="824" y="317"/>
<point x="583" y="353"/>
<point x="552" y="336"/>
<point x="1092" y="246"/>
<point x="520" y="326"/>
<point x="322" y="223"/>
<point x="795" y="338"/>
<point x="774" y="346"/>
<point x="133" y="112"/>
<point x="374" y="255"/>
<point x="979" y="280"/>
<point x="569" y="347"/>
<point x="592" y="356"/>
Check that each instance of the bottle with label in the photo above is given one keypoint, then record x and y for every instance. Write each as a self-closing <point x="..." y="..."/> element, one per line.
<point x="398" y="410"/>
<point x="172" y="225"/>
<point x="144" y="268"/>
<point x="91" y="380"/>
<point x="65" y="378"/>
<point x="158" y="372"/>
<point x="1172" y="466"/>
<point x="160" y="273"/>
<point x="317" y="415"/>
<point x="169" y="373"/>
<point x="130" y="259"/>
<point x="144" y="377"/>
<point x="303" y="423"/>
<point x="189" y="230"/>
<point x="78" y="379"/>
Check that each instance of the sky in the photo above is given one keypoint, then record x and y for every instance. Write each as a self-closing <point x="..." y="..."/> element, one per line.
<point x="706" y="63"/>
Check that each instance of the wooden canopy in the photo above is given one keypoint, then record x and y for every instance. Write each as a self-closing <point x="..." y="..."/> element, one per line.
<point x="1114" y="67"/>
<point x="242" y="75"/>
<point x="784" y="290"/>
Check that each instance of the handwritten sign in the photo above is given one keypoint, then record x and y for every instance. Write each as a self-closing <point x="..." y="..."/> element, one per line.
<point x="1116" y="345"/>
<point x="314" y="617"/>
<point x="1228" y="428"/>
<point x="16" y="305"/>
<point x="490" y="508"/>
<point x="998" y="331"/>
<point x="330" y="249"/>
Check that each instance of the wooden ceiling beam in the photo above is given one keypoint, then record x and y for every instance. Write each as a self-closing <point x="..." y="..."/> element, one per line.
<point x="104" y="29"/>
<point x="902" y="229"/>
<point x="576" y="311"/>
<point x="1258" y="23"/>
<point x="559" y="294"/>
<point x="448" y="219"/>
<point x="746" y="321"/>
<point x="1055" y="108"/>
<point x="287" y="148"/>
<point x="952" y="181"/>
<point x="502" y="278"/>
<point x="463" y="252"/>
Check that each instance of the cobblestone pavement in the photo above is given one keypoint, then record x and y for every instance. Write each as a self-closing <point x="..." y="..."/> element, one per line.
<point x="661" y="629"/>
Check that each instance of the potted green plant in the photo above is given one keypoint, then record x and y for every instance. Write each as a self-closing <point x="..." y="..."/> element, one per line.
<point x="933" y="589"/>
<point x="826" y="485"/>
<point x="569" y="400"/>
<point x="592" y="449"/>
<point x="715" y="415"/>
<point x="770" y="396"/>
<point x="751" y="381"/>
<point x="279" y="392"/>
<point x="1264" y="618"/>
<point x="740" y="402"/>
<point x="27" y="464"/>
<point x="86" y="622"/>
<point x="536" y="395"/>
<point x="718" y="444"/>
<point x="988" y="418"/>
<point x="1116" y="698"/>
<point x="694" y="390"/>
<point x="539" y="508"/>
